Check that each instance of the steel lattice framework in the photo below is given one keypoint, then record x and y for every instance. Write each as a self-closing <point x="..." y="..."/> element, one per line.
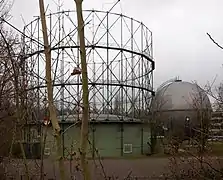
<point x="120" y="63"/>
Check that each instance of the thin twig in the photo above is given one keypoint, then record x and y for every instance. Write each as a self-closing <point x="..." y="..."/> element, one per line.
<point x="214" y="41"/>
<point x="99" y="159"/>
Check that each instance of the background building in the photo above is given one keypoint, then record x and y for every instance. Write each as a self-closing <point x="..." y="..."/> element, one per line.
<point x="120" y="78"/>
<point x="109" y="136"/>
<point x="216" y="126"/>
<point x="182" y="109"/>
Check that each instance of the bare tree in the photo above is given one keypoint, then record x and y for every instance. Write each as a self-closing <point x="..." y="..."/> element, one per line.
<point x="53" y="117"/>
<point x="156" y="121"/>
<point x="196" y="162"/>
<point x="202" y="105"/>
<point x="12" y="90"/>
<point x="85" y="118"/>
<point x="5" y="7"/>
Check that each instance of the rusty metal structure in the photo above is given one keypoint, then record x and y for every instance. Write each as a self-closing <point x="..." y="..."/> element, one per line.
<point x="120" y="64"/>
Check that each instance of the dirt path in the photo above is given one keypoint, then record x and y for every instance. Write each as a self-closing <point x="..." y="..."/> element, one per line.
<point x="119" y="169"/>
<point x="141" y="168"/>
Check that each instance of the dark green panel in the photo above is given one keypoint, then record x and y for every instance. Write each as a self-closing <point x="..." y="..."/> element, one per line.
<point x="72" y="141"/>
<point x="146" y="138"/>
<point x="132" y="137"/>
<point x="107" y="140"/>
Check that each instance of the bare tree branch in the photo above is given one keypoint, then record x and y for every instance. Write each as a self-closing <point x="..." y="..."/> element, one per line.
<point x="214" y="41"/>
<point x="5" y="7"/>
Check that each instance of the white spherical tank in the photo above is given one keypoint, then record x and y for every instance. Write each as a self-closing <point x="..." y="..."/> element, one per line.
<point x="181" y="108"/>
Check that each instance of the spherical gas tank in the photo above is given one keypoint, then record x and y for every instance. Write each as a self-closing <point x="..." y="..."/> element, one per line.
<point x="180" y="107"/>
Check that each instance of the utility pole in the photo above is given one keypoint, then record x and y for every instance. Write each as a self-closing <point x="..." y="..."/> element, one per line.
<point x="85" y="117"/>
<point x="53" y="117"/>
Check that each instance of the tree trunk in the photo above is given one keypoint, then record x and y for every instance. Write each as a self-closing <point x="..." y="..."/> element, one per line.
<point x="53" y="117"/>
<point x="85" y="118"/>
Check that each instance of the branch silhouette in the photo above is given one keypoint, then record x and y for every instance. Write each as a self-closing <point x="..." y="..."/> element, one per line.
<point x="214" y="41"/>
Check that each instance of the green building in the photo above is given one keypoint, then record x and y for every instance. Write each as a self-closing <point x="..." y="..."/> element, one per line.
<point x="109" y="136"/>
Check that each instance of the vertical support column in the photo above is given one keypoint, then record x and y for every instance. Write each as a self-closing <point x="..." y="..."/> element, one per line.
<point x="78" y="81"/>
<point x="40" y="128"/>
<point x="61" y="30"/>
<point x="107" y="68"/>
<point x="24" y="79"/>
<point x="143" y="105"/>
<point x="38" y="82"/>
<point x="152" y="65"/>
<point x="132" y="70"/>
<point x="122" y="136"/>
<point x="121" y="73"/>
<point x="142" y="139"/>
<point x="103" y="88"/>
<point x="94" y="108"/>
<point x="32" y="116"/>
<point x="93" y="139"/>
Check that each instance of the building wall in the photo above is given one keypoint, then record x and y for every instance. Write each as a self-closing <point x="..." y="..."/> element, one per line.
<point x="183" y="123"/>
<point x="216" y="126"/>
<point x="110" y="140"/>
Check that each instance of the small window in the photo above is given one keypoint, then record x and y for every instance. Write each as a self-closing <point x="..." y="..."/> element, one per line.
<point x="127" y="148"/>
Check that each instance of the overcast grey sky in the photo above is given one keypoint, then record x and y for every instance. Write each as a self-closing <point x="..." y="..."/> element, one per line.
<point x="181" y="46"/>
